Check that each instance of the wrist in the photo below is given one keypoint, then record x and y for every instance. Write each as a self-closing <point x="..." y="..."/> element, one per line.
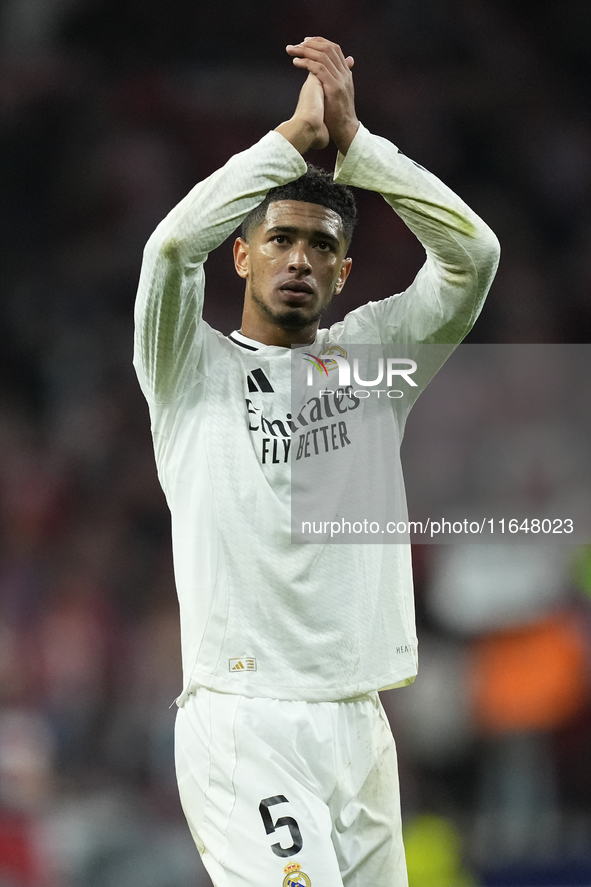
<point x="345" y="136"/>
<point x="298" y="133"/>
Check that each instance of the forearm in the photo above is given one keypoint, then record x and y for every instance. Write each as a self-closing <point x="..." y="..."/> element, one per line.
<point x="215" y="207"/>
<point x="170" y="293"/>
<point x="299" y="134"/>
<point x="462" y="251"/>
<point x="443" y="222"/>
<point x="302" y="136"/>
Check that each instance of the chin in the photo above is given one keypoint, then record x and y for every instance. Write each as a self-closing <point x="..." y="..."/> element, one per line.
<point x="294" y="319"/>
<point x="286" y="318"/>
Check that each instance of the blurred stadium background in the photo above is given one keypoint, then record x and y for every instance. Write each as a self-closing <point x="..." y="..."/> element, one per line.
<point x="109" y="111"/>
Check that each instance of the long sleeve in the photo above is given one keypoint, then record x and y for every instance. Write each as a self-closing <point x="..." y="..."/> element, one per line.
<point x="446" y="297"/>
<point x="169" y="329"/>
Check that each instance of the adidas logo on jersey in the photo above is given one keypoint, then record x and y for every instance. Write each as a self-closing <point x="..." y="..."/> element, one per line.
<point x="242" y="664"/>
<point x="257" y="381"/>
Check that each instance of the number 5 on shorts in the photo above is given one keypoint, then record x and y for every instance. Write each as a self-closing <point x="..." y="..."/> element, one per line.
<point x="289" y="821"/>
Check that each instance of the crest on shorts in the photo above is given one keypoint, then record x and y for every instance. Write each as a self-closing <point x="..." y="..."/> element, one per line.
<point x="295" y="877"/>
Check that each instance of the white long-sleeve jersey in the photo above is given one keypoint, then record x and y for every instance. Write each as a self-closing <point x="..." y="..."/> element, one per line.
<point x="260" y="615"/>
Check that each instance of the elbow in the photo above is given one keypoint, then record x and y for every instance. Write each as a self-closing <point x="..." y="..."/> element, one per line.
<point x="488" y="249"/>
<point x="480" y="263"/>
<point x="170" y="250"/>
<point x="474" y="271"/>
<point x="491" y="255"/>
<point x="161" y="244"/>
<point x="493" y="247"/>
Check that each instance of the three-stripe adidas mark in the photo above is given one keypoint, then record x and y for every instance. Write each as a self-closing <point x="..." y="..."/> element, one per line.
<point x="257" y="381"/>
<point x="245" y="664"/>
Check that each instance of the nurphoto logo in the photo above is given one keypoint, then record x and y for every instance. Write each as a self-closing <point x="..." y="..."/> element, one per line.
<point x="390" y="367"/>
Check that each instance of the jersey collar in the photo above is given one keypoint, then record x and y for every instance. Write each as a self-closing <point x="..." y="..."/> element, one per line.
<point x="247" y="344"/>
<point x="252" y="345"/>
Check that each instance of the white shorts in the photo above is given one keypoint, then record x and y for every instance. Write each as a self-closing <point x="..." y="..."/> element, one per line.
<point x="291" y="794"/>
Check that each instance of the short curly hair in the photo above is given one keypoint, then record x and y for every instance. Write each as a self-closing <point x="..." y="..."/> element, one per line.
<point x="315" y="186"/>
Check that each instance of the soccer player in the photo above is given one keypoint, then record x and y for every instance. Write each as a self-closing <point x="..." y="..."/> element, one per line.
<point x="285" y="761"/>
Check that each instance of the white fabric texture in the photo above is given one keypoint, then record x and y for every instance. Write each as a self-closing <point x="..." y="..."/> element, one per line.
<point x="329" y="767"/>
<point x="262" y="617"/>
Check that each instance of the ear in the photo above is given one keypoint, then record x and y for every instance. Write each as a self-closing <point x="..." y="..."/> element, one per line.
<point x="343" y="274"/>
<point x="241" y="254"/>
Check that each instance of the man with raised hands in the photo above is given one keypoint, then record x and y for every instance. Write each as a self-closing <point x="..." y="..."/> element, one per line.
<point x="285" y="760"/>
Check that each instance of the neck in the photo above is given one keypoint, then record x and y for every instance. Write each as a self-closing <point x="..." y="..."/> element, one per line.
<point x="267" y="332"/>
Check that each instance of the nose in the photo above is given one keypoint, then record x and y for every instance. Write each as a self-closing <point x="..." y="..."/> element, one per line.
<point x="298" y="258"/>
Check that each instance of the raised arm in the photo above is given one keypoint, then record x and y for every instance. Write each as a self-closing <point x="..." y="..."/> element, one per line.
<point x="462" y="252"/>
<point x="169" y="328"/>
<point x="444" y="300"/>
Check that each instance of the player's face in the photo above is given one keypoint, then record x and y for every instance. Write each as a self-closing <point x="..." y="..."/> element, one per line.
<point x="294" y="263"/>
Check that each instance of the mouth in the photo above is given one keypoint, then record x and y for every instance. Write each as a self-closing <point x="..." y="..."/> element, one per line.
<point x="297" y="290"/>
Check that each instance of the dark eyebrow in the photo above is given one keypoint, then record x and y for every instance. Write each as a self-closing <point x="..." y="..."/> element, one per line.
<point x="292" y="229"/>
